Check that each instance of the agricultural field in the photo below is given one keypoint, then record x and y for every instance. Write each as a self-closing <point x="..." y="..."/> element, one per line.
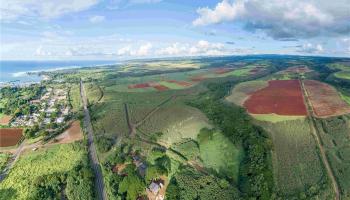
<point x="343" y="75"/>
<point x="335" y="136"/>
<point x="325" y="99"/>
<point x="10" y="136"/>
<point x="241" y="92"/>
<point x="4" y="119"/>
<point x="280" y="97"/>
<point x="219" y="153"/>
<point x="3" y="160"/>
<point x="297" y="166"/>
<point x="32" y="166"/>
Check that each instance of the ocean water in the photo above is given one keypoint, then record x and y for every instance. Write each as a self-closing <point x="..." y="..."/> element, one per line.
<point x="16" y="71"/>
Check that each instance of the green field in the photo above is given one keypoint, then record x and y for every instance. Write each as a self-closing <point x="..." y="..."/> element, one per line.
<point x="343" y="75"/>
<point x="334" y="133"/>
<point x="219" y="153"/>
<point x="275" y="118"/>
<point x="296" y="163"/>
<point x="56" y="159"/>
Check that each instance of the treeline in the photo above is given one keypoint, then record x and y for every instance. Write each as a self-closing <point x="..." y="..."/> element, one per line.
<point x="255" y="175"/>
<point x="15" y="99"/>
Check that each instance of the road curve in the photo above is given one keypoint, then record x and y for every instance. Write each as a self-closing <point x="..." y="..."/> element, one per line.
<point x="99" y="184"/>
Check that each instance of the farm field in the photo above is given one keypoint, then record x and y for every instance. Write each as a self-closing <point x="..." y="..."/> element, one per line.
<point x="30" y="167"/>
<point x="280" y="97"/>
<point x="219" y="153"/>
<point x="335" y="136"/>
<point x="241" y="92"/>
<point x="343" y="75"/>
<point x="325" y="99"/>
<point x="296" y="163"/>
<point x="10" y="136"/>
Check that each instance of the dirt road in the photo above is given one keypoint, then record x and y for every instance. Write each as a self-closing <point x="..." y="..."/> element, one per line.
<point x="314" y="131"/>
<point x="99" y="184"/>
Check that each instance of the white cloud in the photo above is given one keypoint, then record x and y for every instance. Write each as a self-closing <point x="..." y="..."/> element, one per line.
<point x="14" y="9"/>
<point x="282" y="19"/>
<point x="41" y="52"/>
<point x="140" y="51"/>
<point x="144" y="50"/>
<point x="117" y="4"/>
<point x="96" y="19"/>
<point x="311" y="48"/>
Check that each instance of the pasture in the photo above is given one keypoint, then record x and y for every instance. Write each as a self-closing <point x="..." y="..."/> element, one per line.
<point x="219" y="153"/>
<point x="343" y="75"/>
<point x="10" y="136"/>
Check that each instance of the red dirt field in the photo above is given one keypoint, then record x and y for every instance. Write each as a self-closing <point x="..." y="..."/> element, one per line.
<point x="140" y="85"/>
<point x="181" y="83"/>
<point x="282" y="97"/>
<point x="160" y="87"/>
<point x="198" y="78"/>
<point x="222" y="70"/>
<point x="5" y="120"/>
<point x="10" y="136"/>
<point x="325" y="100"/>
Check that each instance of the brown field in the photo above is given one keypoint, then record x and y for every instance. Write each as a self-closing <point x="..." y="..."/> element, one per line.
<point x="10" y="136"/>
<point x="297" y="69"/>
<point x="282" y="97"/>
<point x="73" y="133"/>
<point x="4" y="120"/>
<point x="181" y="83"/>
<point x="160" y="87"/>
<point x="222" y="70"/>
<point x="325" y="99"/>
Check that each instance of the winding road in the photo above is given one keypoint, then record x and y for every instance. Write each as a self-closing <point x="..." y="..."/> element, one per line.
<point x="99" y="184"/>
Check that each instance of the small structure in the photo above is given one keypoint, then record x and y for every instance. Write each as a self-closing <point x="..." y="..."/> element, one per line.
<point x="154" y="188"/>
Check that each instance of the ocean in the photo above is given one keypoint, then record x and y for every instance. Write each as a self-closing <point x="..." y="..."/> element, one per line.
<point x="16" y="71"/>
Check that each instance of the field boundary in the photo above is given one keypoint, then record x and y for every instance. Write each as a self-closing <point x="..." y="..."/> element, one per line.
<point x="314" y="132"/>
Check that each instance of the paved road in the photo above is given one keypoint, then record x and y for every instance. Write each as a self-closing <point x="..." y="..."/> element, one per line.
<point x="314" y="131"/>
<point x="101" y="192"/>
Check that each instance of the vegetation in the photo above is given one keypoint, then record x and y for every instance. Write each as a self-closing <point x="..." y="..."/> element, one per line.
<point x="45" y="173"/>
<point x="14" y="100"/>
<point x="3" y="160"/>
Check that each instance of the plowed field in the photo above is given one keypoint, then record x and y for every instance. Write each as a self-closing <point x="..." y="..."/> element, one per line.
<point x="325" y="100"/>
<point x="10" y="136"/>
<point x="282" y="97"/>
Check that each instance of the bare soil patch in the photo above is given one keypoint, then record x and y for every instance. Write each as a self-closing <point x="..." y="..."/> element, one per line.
<point x="282" y="97"/>
<point x="73" y="133"/>
<point x="5" y="120"/>
<point x="10" y="136"/>
<point x="325" y="100"/>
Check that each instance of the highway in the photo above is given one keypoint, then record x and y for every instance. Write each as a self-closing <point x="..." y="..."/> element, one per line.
<point x="99" y="184"/>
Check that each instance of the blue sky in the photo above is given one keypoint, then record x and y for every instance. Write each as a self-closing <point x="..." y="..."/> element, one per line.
<point x="125" y="29"/>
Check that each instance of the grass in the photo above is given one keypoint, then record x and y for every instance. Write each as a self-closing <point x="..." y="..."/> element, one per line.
<point x="345" y="97"/>
<point x="74" y="97"/>
<point x="220" y="154"/>
<point x="343" y="75"/>
<point x="3" y="160"/>
<point x="275" y="118"/>
<point x="187" y="148"/>
<point x="176" y="122"/>
<point x="58" y="158"/>
<point x="241" y="91"/>
<point x="295" y="159"/>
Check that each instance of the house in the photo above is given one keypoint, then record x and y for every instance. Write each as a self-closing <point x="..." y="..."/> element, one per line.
<point x="60" y="120"/>
<point x="154" y="188"/>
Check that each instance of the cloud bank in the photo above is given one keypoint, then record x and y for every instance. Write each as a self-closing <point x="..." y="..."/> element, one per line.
<point x="282" y="19"/>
